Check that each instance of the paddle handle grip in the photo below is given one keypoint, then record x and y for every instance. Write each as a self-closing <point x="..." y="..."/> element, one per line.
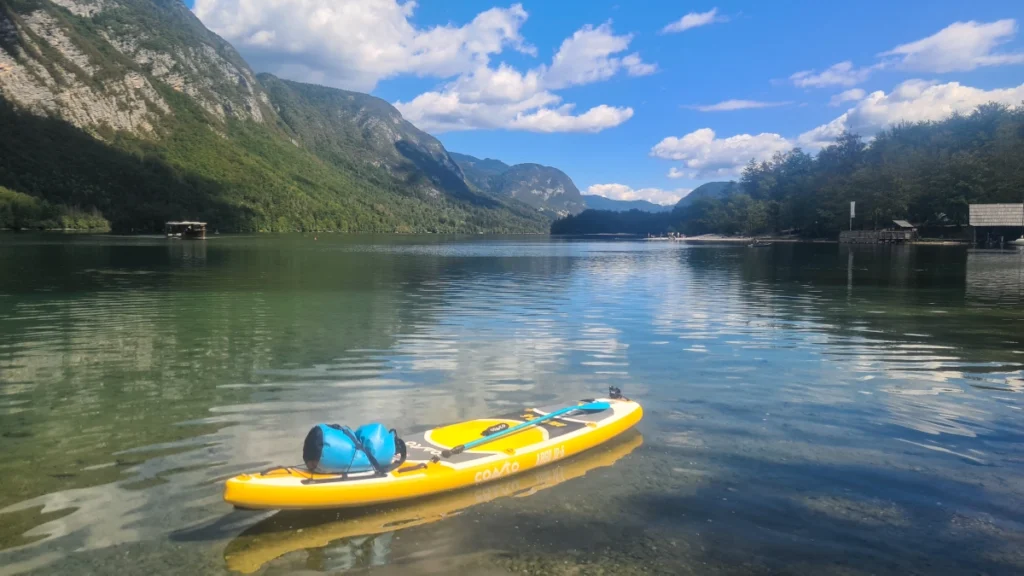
<point x="456" y="450"/>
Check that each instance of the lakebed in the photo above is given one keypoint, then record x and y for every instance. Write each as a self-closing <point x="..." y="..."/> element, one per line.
<point x="809" y="408"/>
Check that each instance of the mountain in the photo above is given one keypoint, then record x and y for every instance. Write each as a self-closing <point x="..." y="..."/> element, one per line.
<point x="548" y="189"/>
<point x="479" y="172"/>
<point x="341" y="126"/>
<point x="595" y="202"/>
<point x="710" y="191"/>
<point x="132" y="111"/>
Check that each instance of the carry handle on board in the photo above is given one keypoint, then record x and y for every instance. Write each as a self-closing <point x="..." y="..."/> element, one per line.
<point x="591" y="407"/>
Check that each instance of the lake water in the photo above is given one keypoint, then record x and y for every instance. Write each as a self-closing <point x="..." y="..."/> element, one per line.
<point x="810" y="408"/>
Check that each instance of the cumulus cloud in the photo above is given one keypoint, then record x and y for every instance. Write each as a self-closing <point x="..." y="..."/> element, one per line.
<point x="623" y="192"/>
<point x="911" y="101"/>
<point x="674" y="173"/>
<point x="694" y="20"/>
<point x="505" y="98"/>
<point x="818" y="138"/>
<point x="959" y="47"/>
<point x="561" y="119"/>
<point x="356" y="43"/>
<point x="705" y="155"/>
<point x="730" y="105"/>
<point x="851" y="95"/>
<point x="588" y="56"/>
<point x="841" y="74"/>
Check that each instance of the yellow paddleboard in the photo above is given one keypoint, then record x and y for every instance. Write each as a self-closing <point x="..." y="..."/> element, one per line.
<point x="534" y="446"/>
<point x="286" y="532"/>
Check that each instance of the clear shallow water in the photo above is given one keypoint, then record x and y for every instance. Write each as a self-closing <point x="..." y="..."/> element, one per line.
<point x="809" y="408"/>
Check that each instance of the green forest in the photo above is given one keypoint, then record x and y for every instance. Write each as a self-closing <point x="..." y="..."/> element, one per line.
<point x="925" y="172"/>
<point x="251" y="180"/>
<point x="21" y="211"/>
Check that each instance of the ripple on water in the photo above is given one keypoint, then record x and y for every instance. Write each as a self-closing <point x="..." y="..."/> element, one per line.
<point x="127" y="400"/>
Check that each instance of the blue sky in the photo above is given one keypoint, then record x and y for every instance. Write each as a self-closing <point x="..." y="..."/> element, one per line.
<point x="494" y="79"/>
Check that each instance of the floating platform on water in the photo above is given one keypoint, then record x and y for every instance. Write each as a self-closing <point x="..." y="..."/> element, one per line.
<point x="185" y="230"/>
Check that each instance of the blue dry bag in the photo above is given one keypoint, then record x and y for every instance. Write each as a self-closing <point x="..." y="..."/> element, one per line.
<point x="335" y="449"/>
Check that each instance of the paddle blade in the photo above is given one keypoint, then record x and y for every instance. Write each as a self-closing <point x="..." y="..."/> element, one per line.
<point x="594" y="406"/>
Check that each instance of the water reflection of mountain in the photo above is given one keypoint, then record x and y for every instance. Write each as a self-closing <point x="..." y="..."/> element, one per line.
<point x="109" y="345"/>
<point x="167" y="360"/>
<point x="136" y="374"/>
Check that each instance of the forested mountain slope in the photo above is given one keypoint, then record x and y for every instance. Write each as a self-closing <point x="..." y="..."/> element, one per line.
<point x="132" y="109"/>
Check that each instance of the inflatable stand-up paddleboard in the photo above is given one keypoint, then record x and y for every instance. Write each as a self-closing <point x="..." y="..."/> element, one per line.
<point x="289" y="531"/>
<point x="447" y="458"/>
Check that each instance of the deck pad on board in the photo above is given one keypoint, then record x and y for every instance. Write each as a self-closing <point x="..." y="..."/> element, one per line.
<point x="426" y="445"/>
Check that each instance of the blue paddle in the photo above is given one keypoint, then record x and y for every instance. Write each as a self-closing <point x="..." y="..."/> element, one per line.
<point x="591" y="407"/>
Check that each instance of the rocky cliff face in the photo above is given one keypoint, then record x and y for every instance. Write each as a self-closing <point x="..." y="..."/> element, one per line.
<point x="100" y="63"/>
<point x="133" y="109"/>
<point x="340" y="126"/>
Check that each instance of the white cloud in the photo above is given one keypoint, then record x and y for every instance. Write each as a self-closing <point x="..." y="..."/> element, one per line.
<point x="911" y="101"/>
<point x="693" y="20"/>
<point x="541" y="111"/>
<point x="709" y="156"/>
<point x="705" y="155"/>
<point x="504" y="98"/>
<point x="561" y="119"/>
<point x="356" y="43"/>
<point x="851" y="95"/>
<point x="636" y="67"/>
<point x="959" y="47"/>
<point x="503" y="84"/>
<point x="587" y="56"/>
<point x="818" y="138"/>
<point x="623" y="192"/>
<point x="730" y="105"/>
<point x="841" y="74"/>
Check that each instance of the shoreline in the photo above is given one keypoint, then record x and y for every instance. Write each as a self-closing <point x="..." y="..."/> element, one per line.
<point x="703" y="238"/>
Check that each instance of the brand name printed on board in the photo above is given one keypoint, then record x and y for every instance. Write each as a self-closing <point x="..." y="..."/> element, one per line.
<point x="550" y="455"/>
<point x="496" y="472"/>
<point x="428" y="449"/>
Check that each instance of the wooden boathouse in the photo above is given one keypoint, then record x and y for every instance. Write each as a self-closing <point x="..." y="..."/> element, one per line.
<point x="996" y="223"/>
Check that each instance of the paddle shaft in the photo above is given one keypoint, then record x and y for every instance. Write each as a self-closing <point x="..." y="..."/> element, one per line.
<point x="469" y="445"/>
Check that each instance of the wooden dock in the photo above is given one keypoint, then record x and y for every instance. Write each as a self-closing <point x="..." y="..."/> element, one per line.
<point x="877" y="236"/>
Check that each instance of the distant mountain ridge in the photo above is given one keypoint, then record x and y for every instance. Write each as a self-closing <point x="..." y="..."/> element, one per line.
<point x="546" y="188"/>
<point x="133" y="111"/>
<point x="595" y="202"/>
<point x="708" y="190"/>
